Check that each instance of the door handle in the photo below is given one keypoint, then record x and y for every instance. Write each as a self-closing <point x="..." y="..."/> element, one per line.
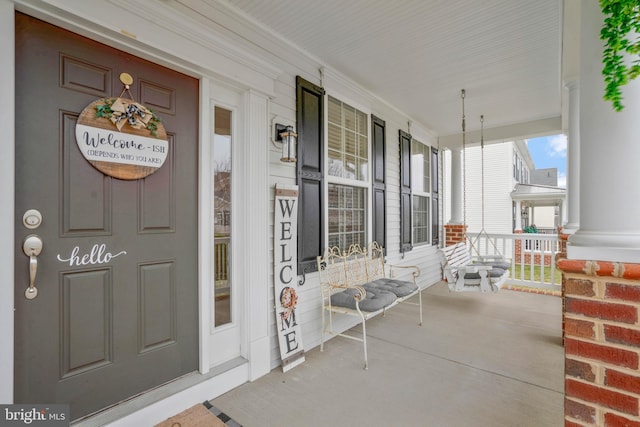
<point x="32" y="246"/>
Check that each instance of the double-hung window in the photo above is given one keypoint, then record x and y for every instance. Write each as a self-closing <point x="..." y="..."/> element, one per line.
<point x="342" y="179"/>
<point x="347" y="174"/>
<point x="421" y="192"/>
<point x="334" y="176"/>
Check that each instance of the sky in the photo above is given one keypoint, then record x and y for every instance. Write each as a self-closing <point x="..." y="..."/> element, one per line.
<point x="550" y="152"/>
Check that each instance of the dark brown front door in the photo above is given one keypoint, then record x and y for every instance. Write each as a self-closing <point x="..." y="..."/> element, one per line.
<point x="116" y="310"/>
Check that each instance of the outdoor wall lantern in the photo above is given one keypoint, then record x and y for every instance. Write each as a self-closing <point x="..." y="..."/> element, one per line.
<point x="287" y="137"/>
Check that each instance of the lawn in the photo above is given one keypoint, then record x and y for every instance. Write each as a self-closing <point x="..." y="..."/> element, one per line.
<point x="515" y="273"/>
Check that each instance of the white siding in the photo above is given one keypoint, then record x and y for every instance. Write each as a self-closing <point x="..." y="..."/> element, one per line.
<point x="309" y="312"/>
<point x="283" y="108"/>
<point x="498" y="185"/>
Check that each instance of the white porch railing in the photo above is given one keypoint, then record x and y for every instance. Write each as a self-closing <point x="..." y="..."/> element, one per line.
<point x="531" y="256"/>
<point x="221" y="264"/>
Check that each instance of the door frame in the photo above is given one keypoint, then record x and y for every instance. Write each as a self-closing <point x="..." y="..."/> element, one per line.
<point x="7" y="174"/>
<point x="206" y="63"/>
<point x="230" y="99"/>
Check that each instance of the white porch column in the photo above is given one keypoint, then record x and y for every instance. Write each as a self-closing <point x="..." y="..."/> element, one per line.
<point x="572" y="208"/>
<point x="518" y="215"/>
<point x="609" y="159"/>
<point x="255" y="231"/>
<point x="532" y="215"/>
<point x="456" y="187"/>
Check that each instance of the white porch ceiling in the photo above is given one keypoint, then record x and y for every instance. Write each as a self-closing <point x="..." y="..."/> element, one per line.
<point x="419" y="54"/>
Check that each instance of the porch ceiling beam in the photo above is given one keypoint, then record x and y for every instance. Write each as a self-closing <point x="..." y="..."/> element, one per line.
<point x="535" y="128"/>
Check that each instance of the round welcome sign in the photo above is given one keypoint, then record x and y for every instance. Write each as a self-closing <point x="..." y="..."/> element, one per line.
<point x="121" y="138"/>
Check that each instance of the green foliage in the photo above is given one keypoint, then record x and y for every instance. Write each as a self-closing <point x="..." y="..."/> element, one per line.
<point x="104" y="110"/>
<point x="622" y="20"/>
<point x="152" y="126"/>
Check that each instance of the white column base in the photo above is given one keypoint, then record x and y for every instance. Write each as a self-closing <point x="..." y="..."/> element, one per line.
<point x="570" y="228"/>
<point x="598" y="246"/>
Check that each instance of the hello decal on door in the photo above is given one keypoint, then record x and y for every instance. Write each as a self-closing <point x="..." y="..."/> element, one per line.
<point x="96" y="256"/>
<point x="120" y="137"/>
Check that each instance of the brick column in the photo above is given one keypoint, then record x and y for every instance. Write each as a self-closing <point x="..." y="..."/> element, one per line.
<point x="563" y="236"/>
<point x="562" y="254"/>
<point x="454" y="233"/>
<point x="602" y="342"/>
<point x="518" y="245"/>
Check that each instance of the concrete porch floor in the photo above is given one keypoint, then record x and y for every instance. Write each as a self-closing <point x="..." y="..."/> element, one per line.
<point x="479" y="360"/>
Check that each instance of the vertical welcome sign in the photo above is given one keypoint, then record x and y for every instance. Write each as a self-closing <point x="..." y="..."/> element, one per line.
<point x="285" y="250"/>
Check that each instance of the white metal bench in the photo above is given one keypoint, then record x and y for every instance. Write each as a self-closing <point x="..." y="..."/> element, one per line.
<point x="463" y="273"/>
<point x="353" y="282"/>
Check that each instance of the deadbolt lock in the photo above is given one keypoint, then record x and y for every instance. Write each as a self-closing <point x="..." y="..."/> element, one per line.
<point x="32" y="219"/>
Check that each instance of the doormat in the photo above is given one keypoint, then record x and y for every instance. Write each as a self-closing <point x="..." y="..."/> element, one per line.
<point x="201" y="415"/>
<point x="226" y="419"/>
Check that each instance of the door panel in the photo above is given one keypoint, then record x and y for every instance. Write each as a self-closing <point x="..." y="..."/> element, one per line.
<point x="157" y="306"/>
<point x="86" y="328"/>
<point x="86" y="196"/>
<point x="158" y="207"/>
<point x="116" y="311"/>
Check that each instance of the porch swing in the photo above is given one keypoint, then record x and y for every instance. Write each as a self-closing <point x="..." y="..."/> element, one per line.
<point x="462" y="271"/>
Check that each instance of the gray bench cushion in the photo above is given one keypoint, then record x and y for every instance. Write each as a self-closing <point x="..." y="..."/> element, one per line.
<point x="375" y="299"/>
<point x="494" y="272"/>
<point x="400" y="288"/>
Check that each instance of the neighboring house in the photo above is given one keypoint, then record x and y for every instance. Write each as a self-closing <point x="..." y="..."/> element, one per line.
<point x="494" y="171"/>
<point x="511" y="185"/>
<point x="540" y="201"/>
<point x="502" y="194"/>
<point x="547" y="215"/>
<point x="546" y="176"/>
<point x="541" y="206"/>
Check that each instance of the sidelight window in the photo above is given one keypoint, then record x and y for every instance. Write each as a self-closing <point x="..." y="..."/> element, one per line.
<point x="222" y="215"/>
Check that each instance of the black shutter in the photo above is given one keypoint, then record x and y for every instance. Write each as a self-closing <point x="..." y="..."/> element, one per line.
<point x="435" y="196"/>
<point x="309" y="168"/>
<point x="378" y="133"/>
<point x="405" y="192"/>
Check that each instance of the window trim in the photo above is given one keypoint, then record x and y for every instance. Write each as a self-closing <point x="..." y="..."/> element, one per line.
<point x="332" y="179"/>
<point x="436" y="180"/>
<point x="426" y="194"/>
